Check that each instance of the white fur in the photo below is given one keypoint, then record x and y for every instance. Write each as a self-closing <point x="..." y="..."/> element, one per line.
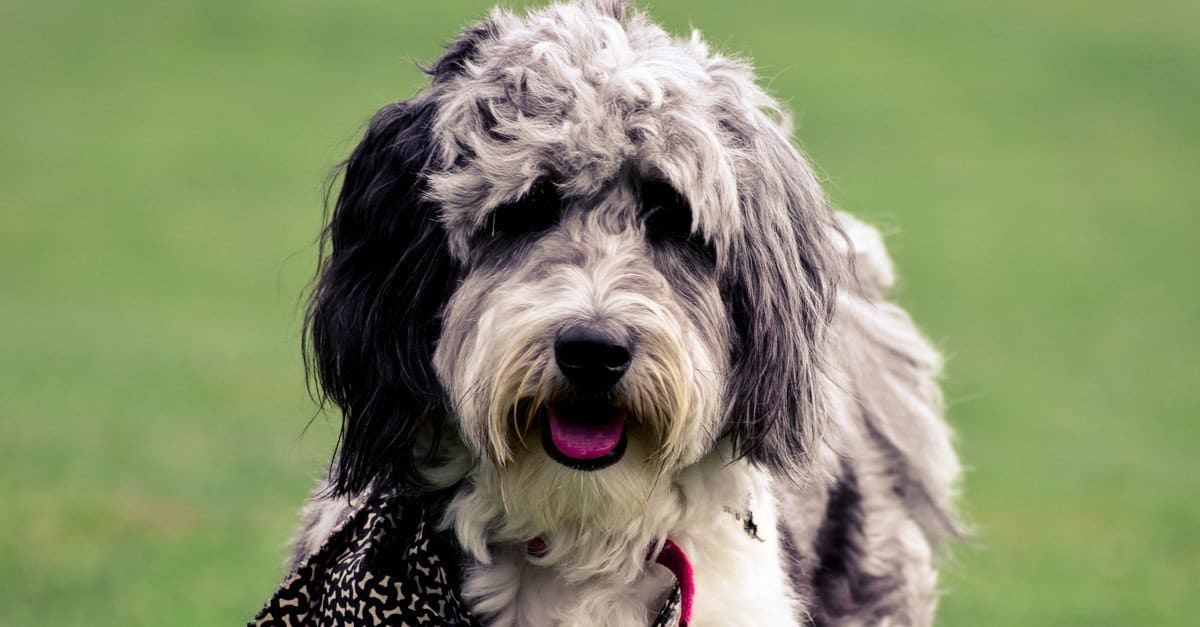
<point x="739" y="578"/>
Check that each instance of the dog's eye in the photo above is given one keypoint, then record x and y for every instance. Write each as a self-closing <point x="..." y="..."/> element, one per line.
<point x="668" y="214"/>
<point x="536" y="211"/>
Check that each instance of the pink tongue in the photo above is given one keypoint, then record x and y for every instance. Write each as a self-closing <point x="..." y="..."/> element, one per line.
<point x="586" y="439"/>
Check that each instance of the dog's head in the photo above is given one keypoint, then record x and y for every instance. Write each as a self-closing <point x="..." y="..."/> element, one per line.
<point x="588" y="252"/>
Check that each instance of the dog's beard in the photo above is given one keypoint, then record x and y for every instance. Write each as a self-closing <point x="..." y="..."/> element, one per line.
<point x="593" y="522"/>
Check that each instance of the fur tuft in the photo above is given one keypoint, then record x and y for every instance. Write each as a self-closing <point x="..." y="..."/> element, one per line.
<point x="894" y="373"/>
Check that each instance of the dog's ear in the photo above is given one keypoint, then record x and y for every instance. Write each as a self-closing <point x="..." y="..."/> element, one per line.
<point x="780" y="291"/>
<point x="373" y="316"/>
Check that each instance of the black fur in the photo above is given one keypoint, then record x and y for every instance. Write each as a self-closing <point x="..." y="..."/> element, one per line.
<point x="461" y="50"/>
<point x="373" y="317"/>
<point x="841" y="587"/>
<point x="386" y="272"/>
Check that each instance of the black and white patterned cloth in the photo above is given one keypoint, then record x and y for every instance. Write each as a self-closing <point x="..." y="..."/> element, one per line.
<point x="386" y="565"/>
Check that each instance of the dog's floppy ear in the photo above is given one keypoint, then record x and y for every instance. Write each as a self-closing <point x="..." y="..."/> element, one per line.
<point x="373" y="316"/>
<point x="779" y="287"/>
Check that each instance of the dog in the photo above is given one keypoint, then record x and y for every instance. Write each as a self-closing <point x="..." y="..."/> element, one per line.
<point x="584" y="285"/>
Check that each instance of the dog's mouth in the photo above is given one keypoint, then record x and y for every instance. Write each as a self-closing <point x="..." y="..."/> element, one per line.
<point x="585" y="435"/>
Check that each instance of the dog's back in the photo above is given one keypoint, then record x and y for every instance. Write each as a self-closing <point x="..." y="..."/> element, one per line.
<point x="864" y="544"/>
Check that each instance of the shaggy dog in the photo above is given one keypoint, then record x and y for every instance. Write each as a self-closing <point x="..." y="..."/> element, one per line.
<point x="584" y="284"/>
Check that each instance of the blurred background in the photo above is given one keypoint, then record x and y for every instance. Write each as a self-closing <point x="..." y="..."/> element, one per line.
<point x="162" y="164"/>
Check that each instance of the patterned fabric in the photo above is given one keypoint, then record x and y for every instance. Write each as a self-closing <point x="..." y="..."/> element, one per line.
<point x="385" y="566"/>
<point x="668" y="616"/>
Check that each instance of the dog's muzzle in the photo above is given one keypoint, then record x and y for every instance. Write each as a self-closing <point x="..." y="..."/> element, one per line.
<point x="587" y="433"/>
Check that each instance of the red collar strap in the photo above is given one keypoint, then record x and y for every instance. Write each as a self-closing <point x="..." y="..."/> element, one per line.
<point x="672" y="557"/>
<point x="676" y="561"/>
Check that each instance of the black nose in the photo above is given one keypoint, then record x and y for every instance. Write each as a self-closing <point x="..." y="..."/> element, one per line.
<point x="591" y="358"/>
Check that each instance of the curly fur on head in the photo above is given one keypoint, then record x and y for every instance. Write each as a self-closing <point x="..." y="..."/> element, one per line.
<point x="580" y="167"/>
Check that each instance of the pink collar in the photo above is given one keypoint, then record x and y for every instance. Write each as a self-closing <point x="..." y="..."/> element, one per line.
<point x="676" y="561"/>
<point x="672" y="557"/>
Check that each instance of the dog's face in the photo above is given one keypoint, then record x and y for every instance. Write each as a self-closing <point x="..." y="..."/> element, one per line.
<point x="584" y="323"/>
<point x="589" y="251"/>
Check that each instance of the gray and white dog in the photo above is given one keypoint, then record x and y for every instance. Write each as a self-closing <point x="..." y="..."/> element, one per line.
<point x="585" y="284"/>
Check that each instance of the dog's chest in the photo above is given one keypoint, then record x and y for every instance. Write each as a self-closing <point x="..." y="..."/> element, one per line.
<point x="736" y="570"/>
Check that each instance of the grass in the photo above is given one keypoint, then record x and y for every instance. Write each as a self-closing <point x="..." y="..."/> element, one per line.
<point x="161" y="171"/>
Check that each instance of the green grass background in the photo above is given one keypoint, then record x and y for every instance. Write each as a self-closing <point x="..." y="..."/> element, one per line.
<point x="161" y="166"/>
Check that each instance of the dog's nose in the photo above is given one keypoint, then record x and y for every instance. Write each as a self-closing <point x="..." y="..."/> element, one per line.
<point x="590" y="357"/>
